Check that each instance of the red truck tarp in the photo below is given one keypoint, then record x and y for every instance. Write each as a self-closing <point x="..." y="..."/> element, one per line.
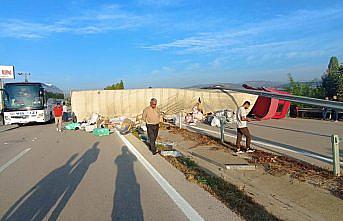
<point x="269" y="108"/>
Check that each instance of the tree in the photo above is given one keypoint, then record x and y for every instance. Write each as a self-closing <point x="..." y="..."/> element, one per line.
<point x="121" y="85"/>
<point x="117" y="86"/>
<point x="340" y="85"/>
<point x="306" y="89"/>
<point x="333" y="66"/>
<point x="332" y="80"/>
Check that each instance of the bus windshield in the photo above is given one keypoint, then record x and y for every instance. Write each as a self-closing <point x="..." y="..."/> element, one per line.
<point x="23" y="97"/>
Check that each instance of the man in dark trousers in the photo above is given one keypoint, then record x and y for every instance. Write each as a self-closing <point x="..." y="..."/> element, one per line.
<point x="242" y="127"/>
<point x="152" y="117"/>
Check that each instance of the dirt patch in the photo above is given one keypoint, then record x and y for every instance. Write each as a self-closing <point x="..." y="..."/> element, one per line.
<point x="200" y="139"/>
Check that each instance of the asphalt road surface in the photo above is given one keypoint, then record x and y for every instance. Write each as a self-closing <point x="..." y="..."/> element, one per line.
<point x="304" y="139"/>
<point x="46" y="175"/>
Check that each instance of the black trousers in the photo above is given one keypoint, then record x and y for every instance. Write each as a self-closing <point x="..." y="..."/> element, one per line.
<point x="152" y="134"/>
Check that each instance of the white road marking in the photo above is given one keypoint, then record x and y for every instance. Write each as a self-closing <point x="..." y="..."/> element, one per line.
<point x="186" y="208"/>
<point x="14" y="159"/>
<point x="305" y="153"/>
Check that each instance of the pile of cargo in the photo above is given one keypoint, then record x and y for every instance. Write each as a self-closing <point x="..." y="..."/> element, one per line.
<point x="195" y="117"/>
<point x="103" y="126"/>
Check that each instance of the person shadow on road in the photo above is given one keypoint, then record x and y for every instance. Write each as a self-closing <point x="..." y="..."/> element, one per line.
<point x="127" y="201"/>
<point x="36" y="203"/>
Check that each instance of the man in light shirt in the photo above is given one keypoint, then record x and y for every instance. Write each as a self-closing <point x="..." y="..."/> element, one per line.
<point x="152" y="117"/>
<point x="242" y="128"/>
<point x="65" y="112"/>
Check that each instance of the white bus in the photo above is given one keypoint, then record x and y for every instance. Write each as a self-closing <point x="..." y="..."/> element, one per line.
<point x="29" y="102"/>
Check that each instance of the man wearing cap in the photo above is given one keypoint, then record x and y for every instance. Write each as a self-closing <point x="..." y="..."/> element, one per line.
<point x="152" y="117"/>
<point x="242" y="128"/>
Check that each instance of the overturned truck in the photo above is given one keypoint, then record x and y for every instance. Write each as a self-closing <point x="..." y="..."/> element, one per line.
<point x="130" y="103"/>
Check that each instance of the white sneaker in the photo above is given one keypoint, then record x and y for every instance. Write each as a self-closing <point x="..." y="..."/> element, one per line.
<point x="57" y="129"/>
<point x="250" y="150"/>
<point x="239" y="151"/>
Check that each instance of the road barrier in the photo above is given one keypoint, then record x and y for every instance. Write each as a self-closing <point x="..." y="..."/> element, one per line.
<point x="298" y="99"/>
<point x="286" y="97"/>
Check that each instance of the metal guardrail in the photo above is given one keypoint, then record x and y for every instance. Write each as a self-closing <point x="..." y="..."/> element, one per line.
<point x="335" y="139"/>
<point x="298" y="99"/>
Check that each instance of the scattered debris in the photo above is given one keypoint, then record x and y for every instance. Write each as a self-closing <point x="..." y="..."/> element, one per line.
<point x="171" y="153"/>
<point x="240" y="167"/>
<point x="144" y="137"/>
<point x="215" y="122"/>
<point x="165" y="144"/>
<point x="90" y="128"/>
<point x="101" y="132"/>
<point x="94" y="119"/>
<point x="126" y="126"/>
<point x="73" y="126"/>
<point x="102" y="126"/>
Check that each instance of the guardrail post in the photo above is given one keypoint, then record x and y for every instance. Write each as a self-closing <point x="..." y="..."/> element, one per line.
<point x="335" y="155"/>
<point x="222" y="126"/>
<point x="180" y="120"/>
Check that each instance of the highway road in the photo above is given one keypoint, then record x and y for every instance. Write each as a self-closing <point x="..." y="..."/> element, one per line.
<point x="46" y="175"/>
<point x="304" y="139"/>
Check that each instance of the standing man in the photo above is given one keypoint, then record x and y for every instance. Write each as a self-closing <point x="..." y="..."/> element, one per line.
<point x="325" y="110"/>
<point x="152" y="117"/>
<point x="65" y="112"/>
<point x="242" y="128"/>
<point x="58" y="111"/>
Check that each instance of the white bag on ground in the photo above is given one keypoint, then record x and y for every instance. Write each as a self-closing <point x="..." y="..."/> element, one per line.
<point x="94" y="118"/>
<point x="215" y="122"/>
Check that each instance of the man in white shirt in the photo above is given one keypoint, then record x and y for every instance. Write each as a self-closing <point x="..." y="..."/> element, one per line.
<point x="65" y="112"/>
<point x="242" y="127"/>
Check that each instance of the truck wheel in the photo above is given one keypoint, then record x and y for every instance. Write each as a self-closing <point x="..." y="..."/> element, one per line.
<point x="2" y="122"/>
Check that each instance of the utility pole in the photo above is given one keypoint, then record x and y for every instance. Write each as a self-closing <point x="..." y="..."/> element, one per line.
<point x="26" y="74"/>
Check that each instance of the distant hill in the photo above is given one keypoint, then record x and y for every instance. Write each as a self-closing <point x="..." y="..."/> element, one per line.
<point x="274" y="84"/>
<point x="53" y="88"/>
<point x="205" y="85"/>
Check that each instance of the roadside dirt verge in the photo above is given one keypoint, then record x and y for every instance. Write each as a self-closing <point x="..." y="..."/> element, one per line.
<point x="287" y="188"/>
<point x="274" y="164"/>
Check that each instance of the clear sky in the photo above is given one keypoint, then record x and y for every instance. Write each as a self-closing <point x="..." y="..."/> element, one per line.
<point x="88" y="44"/>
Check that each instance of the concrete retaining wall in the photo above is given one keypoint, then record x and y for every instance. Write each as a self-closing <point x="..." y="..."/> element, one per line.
<point x="131" y="103"/>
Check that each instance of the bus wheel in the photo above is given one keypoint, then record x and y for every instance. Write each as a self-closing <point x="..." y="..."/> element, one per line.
<point x="2" y="119"/>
